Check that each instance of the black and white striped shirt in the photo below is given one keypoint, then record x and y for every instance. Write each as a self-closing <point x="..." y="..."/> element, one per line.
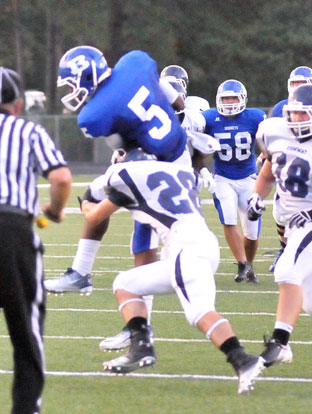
<point x="26" y="151"/>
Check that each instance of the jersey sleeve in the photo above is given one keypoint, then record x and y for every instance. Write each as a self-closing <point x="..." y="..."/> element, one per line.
<point x="278" y="108"/>
<point x="115" y="188"/>
<point x="260" y="115"/>
<point x="261" y="138"/>
<point x="47" y="155"/>
<point x="96" y="118"/>
<point x="208" y="115"/>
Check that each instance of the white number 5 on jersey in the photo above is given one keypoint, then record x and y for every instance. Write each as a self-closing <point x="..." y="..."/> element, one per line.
<point x="147" y="115"/>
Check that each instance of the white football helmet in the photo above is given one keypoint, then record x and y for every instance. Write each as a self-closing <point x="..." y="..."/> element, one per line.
<point x="301" y="74"/>
<point x="301" y="101"/>
<point x="176" y="71"/>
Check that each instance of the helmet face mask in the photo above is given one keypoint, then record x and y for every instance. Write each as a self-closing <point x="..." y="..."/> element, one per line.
<point x="302" y="74"/>
<point x="231" y="88"/>
<point x="298" y="112"/>
<point x="77" y="95"/>
<point x="178" y="85"/>
<point x="82" y="68"/>
<point x="175" y="71"/>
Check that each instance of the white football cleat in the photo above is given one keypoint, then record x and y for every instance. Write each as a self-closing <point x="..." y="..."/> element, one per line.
<point x="121" y="340"/>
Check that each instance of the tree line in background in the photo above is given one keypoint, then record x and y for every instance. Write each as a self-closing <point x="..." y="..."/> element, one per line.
<point x="258" y="43"/>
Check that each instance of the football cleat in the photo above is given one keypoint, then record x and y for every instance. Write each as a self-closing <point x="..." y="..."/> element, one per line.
<point x="141" y="355"/>
<point x="243" y="270"/>
<point x="251" y="277"/>
<point x="248" y="373"/>
<point x="275" y="352"/>
<point x="125" y="364"/>
<point x="248" y="368"/>
<point x="71" y="281"/>
<point x="121" y="340"/>
<point x="272" y="267"/>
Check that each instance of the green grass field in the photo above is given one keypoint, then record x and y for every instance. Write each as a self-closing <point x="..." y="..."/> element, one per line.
<point x="190" y="375"/>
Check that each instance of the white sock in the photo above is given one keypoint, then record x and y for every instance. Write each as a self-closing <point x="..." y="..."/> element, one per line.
<point x="149" y="305"/>
<point x="284" y="326"/>
<point x="85" y="255"/>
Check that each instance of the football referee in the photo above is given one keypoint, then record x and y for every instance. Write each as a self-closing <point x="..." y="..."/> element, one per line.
<point x="26" y="151"/>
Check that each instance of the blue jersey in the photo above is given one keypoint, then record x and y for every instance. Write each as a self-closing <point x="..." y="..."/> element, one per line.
<point x="131" y="103"/>
<point x="278" y="108"/>
<point x="236" y="136"/>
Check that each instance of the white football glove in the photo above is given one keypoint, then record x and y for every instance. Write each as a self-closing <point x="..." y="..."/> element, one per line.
<point x="208" y="180"/>
<point x="255" y="207"/>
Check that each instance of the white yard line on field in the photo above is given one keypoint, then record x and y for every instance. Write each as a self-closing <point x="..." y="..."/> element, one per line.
<point x="175" y="340"/>
<point x="162" y="376"/>
<point x="161" y="312"/>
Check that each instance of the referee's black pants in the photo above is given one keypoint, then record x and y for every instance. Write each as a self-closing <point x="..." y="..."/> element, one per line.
<point x="23" y="300"/>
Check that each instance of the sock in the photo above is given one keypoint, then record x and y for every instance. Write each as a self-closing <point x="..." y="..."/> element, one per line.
<point x="281" y="336"/>
<point x="85" y="256"/>
<point x="285" y="326"/>
<point x="149" y="305"/>
<point x="137" y="323"/>
<point x="282" y="332"/>
<point x="230" y="344"/>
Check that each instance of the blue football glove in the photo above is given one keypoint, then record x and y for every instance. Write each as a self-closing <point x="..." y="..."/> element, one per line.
<point x="255" y="207"/>
<point x="300" y="219"/>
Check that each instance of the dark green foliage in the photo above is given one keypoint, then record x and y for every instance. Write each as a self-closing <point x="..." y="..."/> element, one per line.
<point x="258" y="43"/>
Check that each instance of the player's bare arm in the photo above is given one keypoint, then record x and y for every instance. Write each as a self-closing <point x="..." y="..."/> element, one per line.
<point x="265" y="180"/>
<point x="97" y="212"/>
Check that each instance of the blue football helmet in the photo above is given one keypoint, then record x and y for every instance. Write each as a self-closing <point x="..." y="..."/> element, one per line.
<point x="231" y="88"/>
<point x="300" y="101"/>
<point x="82" y="68"/>
<point x="301" y="74"/>
<point x="177" y="72"/>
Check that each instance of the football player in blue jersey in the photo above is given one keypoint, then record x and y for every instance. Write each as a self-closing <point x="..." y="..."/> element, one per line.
<point x="126" y="99"/>
<point x="84" y="69"/>
<point x="299" y="76"/>
<point x="129" y="102"/>
<point x="234" y="169"/>
<point x="136" y="183"/>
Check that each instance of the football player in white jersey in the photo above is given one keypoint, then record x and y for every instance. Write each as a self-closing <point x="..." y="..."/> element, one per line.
<point x="299" y="76"/>
<point x="287" y="144"/>
<point x="165" y="196"/>
<point x="234" y="168"/>
<point x="191" y="119"/>
<point x="145" y="240"/>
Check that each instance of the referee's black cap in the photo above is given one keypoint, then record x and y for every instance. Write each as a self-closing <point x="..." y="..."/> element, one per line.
<point x="10" y="85"/>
